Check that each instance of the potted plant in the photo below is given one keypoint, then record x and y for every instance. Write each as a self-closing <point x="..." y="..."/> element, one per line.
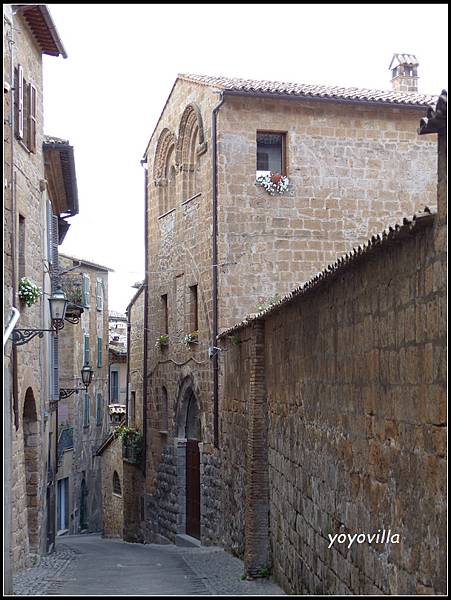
<point x="274" y="183"/>
<point x="191" y="338"/>
<point x="162" y="341"/>
<point x="132" y="443"/>
<point x="28" y="292"/>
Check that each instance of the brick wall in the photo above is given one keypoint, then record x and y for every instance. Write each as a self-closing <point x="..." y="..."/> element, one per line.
<point x="356" y="388"/>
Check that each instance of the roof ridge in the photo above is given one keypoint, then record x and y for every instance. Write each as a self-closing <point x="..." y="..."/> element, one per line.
<point x="309" y="89"/>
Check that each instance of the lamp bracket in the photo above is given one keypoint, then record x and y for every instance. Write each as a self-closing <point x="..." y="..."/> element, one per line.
<point x="23" y="336"/>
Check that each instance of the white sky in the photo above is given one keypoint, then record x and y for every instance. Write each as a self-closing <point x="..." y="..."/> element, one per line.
<point x="123" y="59"/>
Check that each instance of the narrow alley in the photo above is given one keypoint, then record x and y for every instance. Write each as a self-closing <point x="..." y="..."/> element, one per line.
<point x="90" y="565"/>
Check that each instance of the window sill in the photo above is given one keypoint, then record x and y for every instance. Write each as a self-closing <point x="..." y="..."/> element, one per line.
<point x="192" y="198"/>
<point x="166" y="213"/>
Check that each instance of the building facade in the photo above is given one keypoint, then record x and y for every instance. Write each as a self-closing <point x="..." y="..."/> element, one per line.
<point x="36" y="202"/>
<point x="334" y="419"/>
<point x="219" y="246"/>
<point x="117" y="366"/>
<point x="83" y="417"/>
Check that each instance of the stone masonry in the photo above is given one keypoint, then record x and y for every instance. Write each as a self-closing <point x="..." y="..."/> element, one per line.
<point x="355" y="377"/>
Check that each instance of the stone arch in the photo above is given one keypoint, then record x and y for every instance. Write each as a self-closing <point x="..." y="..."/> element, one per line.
<point x="117" y="484"/>
<point x="31" y="465"/>
<point x="166" y="141"/>
<point x="190" y="145"/>
<point x="188" y="413"/>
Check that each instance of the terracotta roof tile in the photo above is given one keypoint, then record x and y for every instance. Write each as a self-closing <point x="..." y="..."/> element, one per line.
<point x="250" y="86"/>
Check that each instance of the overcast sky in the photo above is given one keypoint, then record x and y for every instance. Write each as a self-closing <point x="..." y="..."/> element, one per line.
<point x="123" y="59"/>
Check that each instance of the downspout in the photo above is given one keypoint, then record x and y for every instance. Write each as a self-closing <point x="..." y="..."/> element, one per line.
<point x="146" y="307"/>
<point x="215" y="355"/>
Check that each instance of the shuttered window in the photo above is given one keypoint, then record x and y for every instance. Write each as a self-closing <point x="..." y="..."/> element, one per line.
<point x="99" y="409"/>
<point x="86" y="349"/>
<point x="19" y="85"/>
<point x="114" y="382"/>
<point x="99" y="352"/>
<point x="86" y="410"/>
<point x="32" y="110"/>
<point x="54" y="251"/>
<point x="86" y="290"/>
<point x="55" y="368"/>
<point x="99" y="294"/>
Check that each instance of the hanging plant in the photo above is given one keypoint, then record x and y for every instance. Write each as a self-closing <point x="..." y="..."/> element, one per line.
<point x="162" y="341"/>
<point x="274" y="183"/>
<point x="28" y="291"/>
<point x="191" y="338"/>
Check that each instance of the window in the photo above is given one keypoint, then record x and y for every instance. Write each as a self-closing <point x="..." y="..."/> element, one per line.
<point x="114" y="387"/>
<point x="99" y="409"/>
<point x="164" y="300"/>
<point x="31" y="137"/>
<point x="19" y="86"/>
<point x="131" y="411"/>
<point x="86" y="410"/>
<point x="21" y="251"/>
<point x="270" y="153"/>
<point x="194" y="314"/>
<point x="99" y="294"/>
<point x="99" y="352"/>
<point x="86" y="286"/>
<point x="116" y="484"/>
<point x="86" y="349"/>
<point x="164" y="409"/>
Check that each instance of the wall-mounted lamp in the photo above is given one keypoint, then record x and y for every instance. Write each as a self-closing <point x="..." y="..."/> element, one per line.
<point x="86" y="377"/>
<point x="58" y="305"/>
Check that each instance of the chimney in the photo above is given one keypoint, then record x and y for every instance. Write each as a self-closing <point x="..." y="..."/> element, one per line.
<point x="404" y="73"/>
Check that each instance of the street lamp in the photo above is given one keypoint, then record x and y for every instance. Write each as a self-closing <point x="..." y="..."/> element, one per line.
<point x="57" y="304"/>
<point x="86" y="377"/>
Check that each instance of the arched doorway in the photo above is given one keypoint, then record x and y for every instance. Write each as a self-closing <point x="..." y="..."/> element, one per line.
<point x="192" y="468"/>
<point x="30" y="446"/>
<point x="83" y="506"/>
<point x="188" y="427"/>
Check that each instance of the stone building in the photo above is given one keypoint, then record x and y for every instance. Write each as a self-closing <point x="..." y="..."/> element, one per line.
<point x="36" y="201"/>
<point x="334" y="418"/>
<point x="117" y="366"/>
<point x="123" y="513"/>
<point x="83" y="418"/>
<point x="218" y="245"/>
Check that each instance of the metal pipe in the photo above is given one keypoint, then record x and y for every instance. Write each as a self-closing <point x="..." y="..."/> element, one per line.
<point x="214" y="274"/>
<point x="12" y="321"/>
<point x="146" y="307"/>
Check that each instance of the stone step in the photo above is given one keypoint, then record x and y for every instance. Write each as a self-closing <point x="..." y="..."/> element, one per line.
<point x="183" y="539"/>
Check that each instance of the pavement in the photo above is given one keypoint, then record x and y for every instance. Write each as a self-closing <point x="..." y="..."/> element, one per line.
<point x="89" y="565"/>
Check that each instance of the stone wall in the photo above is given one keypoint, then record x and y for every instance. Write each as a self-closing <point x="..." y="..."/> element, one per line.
<point x="112" y="503"/>
<point x="353" y="170"/>
<point x="136" y="360"/>
<point x="356" y="388"/>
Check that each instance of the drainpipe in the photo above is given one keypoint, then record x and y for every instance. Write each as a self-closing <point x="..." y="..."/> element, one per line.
<point x="215" y="356"/>
<point x="146" y="307"/>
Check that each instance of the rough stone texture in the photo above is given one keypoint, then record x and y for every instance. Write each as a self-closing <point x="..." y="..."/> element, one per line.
<point x="112" y="503"/>
<point x="28" y="500"/>
<point x="87" y="439"/>
<point x="353" y="170"/>
<point x="356" y="386"/>
<point x="136" y="316"/>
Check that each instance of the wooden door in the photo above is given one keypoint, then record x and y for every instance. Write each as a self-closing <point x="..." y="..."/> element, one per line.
<point x="193" y="489"/>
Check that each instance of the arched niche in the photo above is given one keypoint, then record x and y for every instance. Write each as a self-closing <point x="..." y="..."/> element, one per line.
<point x="31" y="465"/>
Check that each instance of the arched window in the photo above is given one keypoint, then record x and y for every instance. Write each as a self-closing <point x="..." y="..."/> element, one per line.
<point x="116" y="484"/>
<point x="164" y="171"/>
<point x="190" y="146"/>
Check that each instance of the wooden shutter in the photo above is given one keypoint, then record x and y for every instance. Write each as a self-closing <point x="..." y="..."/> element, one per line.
<point x="20" y="107"/>
<point x="55" y="368"/>
<point x="86" y="410"/>
<point x="85" y="290"/>
<point x="54" y="251"/>
<point x="99" y="294"/>
<point x="32" y="111"/>
<point x="99" y="409"/>
<point x="99" y="352"/>
<point x="86" y="350"/>
<point x="49" y="231"/>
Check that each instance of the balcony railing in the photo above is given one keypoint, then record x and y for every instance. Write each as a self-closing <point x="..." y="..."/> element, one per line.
<point x="72" y="285"/>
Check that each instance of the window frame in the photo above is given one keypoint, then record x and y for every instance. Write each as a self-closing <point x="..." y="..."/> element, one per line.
<point x="284" y="157"/>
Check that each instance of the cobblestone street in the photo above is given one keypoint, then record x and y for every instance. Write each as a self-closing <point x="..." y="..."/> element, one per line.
<point x="91" y="565"/>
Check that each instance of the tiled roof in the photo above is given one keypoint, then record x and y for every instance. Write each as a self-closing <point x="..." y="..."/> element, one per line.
<point x="403" y="59"/>
<point x="392" y="234"/>
<point x="351" y="94"/>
